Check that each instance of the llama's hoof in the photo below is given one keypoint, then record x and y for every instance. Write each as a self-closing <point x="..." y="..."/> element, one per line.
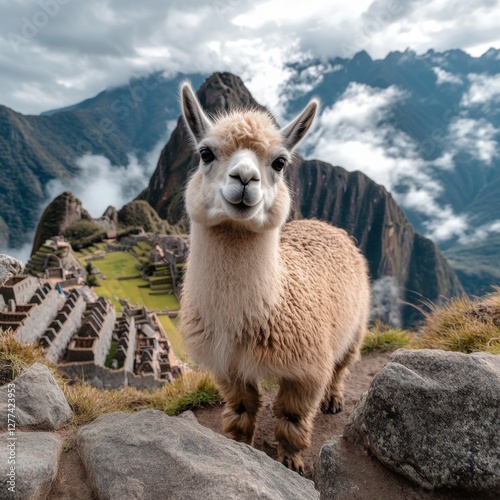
<point x="294" y="462"/>
<point x="332" y="405"/>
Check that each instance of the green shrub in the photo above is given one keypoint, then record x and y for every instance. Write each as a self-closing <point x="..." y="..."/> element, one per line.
<point x="384" y="338"/>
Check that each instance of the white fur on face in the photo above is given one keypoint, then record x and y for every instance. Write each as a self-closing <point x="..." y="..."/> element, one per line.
<point x="242" y="189"/>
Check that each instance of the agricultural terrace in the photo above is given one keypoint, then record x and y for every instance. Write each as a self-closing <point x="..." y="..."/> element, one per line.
<point x="119" y="277"/>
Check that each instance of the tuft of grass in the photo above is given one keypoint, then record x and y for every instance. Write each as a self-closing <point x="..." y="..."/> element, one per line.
<point x="187" y="392"/>
<point x="463" y="324"/>
<point x="384" y="338"/>
<point x="190" y="391"/>
<point x="16" y="357"/>
<point x="88" y="402"/>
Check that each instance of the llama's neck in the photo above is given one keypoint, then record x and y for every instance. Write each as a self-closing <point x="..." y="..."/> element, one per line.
<point x="234" y="277"/>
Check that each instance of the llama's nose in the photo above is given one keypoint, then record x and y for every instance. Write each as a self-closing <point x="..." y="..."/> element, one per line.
<point x="245" y="172"/>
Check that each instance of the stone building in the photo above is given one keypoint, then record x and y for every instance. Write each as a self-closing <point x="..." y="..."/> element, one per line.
<point x="28" y="307"/>
<point x="93" y="339"/>
<point x="78" y="330"/>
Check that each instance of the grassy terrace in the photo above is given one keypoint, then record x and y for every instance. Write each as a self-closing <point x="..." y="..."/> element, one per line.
<point x="123" y="281"/>
<point x="170" y="327"/>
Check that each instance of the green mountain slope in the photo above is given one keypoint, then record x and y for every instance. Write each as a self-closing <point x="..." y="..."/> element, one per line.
<point x="37" y="149"/>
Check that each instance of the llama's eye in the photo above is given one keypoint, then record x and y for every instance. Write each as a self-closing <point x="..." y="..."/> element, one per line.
<point x="279" y="164"/>
<point x="206" y="155"/>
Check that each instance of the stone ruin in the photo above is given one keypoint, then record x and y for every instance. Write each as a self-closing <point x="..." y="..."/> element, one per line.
<point x="82" y="336"/>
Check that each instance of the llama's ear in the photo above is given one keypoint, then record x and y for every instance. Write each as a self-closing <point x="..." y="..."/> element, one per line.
<point x="296" y="130"/>
<point x="196" y="120"/>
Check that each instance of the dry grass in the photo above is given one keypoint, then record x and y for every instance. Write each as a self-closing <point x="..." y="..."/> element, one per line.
<point x="192" y="390"/>
<point x="16" y="357"/>
<point x="463" y="324"/>
<point x="384" y="338"/>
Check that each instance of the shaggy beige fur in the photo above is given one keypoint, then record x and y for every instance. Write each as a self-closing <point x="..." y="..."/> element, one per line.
<point x="262" y="299"/>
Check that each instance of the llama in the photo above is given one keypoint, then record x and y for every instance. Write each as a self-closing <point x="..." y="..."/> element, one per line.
<point x="261" y="298"/>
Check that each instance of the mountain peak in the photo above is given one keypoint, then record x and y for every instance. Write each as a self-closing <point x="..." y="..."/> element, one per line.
<point x="62" y="212"/>
<point x="362" y="57"/>
<point x="225" y="91"/>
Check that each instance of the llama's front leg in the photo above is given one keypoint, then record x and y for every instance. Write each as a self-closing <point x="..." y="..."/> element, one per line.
<point x="243" y="402"/>
<point x="295" y="408"/>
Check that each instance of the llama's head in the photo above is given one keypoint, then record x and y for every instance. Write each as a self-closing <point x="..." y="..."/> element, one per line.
<point x="243" y="157"/>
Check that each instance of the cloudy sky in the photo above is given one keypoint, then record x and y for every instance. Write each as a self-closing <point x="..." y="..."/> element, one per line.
<point x="54" y="53"/>
<point x="57" y="52"/>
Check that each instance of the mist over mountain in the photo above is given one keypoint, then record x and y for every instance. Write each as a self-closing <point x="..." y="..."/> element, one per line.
<point x="108" y="137"/>
<point x="426" y="127"/>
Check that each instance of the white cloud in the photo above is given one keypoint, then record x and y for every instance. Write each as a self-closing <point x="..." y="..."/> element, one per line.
<point x="475" y="137"/>
<point x="480" y="233"/>
<point x="484" y="88"/>
<point x="48" y="60"/>
<point x="445" y="77"/>
<point x="386" y="304"/>
<point x="100" y="184"/>
<point x="356" y="132"/>
<point x="446" y="225"/>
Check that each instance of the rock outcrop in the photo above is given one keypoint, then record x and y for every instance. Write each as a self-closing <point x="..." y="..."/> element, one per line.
<point x="64" y="211"/>
<point x="39" y="401"/>
<point x="345" y="471"/>
<point x="139" y="213"/>
<point x="434" y="417"/>
<point x="176" y="458"/>
<point x="8" y="267"/>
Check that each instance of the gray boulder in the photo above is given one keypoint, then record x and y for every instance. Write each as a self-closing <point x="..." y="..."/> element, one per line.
<point x="434" y="417"/>
<point x="346" y="471"/>
<point x="40" y="402"/>
<point x="35" y="457"/>
<point x="149" y="455"/>
<point x="8" y="267"/>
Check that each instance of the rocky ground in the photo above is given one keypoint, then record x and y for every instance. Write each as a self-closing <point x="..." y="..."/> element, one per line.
<point x="149" y="455"/>
<point x="72" y="483"/>
<point x="325" y="426"/>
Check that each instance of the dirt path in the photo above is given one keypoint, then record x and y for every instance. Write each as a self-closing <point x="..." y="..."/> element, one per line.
<point x="325" y="426"/>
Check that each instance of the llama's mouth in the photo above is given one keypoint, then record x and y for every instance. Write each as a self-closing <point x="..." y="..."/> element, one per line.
<point x="240" y="210"/>
<point x="241" y="205"/>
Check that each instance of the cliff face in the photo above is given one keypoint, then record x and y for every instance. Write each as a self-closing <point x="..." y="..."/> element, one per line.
<point x="346" y="199"/>
<point x="37" y="149"/>
<point x="366" y="210"/>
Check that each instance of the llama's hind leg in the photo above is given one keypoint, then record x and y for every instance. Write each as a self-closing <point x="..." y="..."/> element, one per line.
<point x="295" y="408"/>
<point x="333" y="401"/>
<point x="243" y="401"/>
